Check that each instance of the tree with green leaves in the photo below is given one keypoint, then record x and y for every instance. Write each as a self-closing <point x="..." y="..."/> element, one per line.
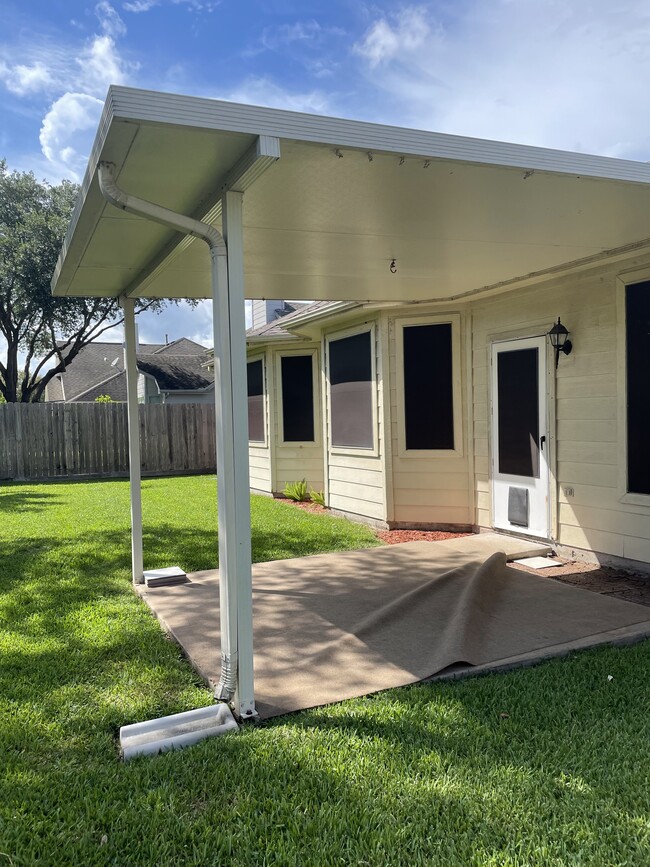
<point x="42" y="334"/>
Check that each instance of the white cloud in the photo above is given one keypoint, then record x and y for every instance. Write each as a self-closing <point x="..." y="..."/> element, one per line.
<point x="137" y="6"/>
<point x="21" y="79"/>
<point x="47" y="69"/>
<point x="109" y="19"/>
<point x="275" y="38"/>
<point x="315" y="46"/>
<point x="140" y="5"/>
<point x="386" y="41"/>
<point x="67" y="132"/>
<point x="175" y="321"/>
<point x="263" y="91"/>
<point x="539" y="72"/>
<point x="101" y="64"/>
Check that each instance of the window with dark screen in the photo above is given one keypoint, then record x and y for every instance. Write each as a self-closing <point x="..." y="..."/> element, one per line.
<point x="428" y="387"/>
<point x="297" y="398"/>
<point x="351" y="391"/>
<point x="255" y="370"/>
<point x="637" y="321"/>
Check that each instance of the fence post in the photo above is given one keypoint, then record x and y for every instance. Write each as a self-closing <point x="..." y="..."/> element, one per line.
<point x="20" y="454"/>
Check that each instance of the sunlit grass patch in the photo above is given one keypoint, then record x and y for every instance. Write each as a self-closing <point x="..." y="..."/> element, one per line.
<point x="432" y="774"/>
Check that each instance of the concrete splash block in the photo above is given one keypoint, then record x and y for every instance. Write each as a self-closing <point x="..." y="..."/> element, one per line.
<point x="175" y="731"/>
<point x="162" y="577"/>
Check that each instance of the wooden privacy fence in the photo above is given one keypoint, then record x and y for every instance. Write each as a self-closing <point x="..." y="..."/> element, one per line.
<point x="57" y="440"/>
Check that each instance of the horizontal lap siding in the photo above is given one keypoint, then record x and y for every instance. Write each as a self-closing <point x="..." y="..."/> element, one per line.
<point x="307" y="465"/>
<point x="356" y="482"/>
<point x="429" y="490"/>
<point x="589" y="433"/>
<point x="363" y="493"/>
<point x="260" y="468"/>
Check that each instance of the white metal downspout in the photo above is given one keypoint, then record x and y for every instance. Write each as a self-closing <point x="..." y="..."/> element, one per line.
<point x="236" y="680"/>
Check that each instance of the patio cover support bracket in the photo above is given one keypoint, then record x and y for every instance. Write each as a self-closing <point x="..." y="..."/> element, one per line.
<point x="236" y="681"/>
<point x="135" y="472"/>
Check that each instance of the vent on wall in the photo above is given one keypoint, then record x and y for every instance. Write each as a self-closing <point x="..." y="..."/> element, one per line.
<point x="518" y="506"/>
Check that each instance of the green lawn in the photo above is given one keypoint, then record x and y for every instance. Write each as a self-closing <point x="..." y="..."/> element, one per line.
<point x="427" y="775"/>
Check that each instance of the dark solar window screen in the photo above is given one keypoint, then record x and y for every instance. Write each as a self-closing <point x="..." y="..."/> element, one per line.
<point x="255" y="371"/>
<point x="428" y="387"/>
<point x="297" y="398"/>
<point x="518" y="396"/>
<point x="637" y="320"/>
<point x="351" y="391"/>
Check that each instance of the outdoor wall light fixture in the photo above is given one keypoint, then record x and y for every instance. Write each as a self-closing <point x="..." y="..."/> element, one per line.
<point x="393" y="266"/>
<point x="558" y="336"/>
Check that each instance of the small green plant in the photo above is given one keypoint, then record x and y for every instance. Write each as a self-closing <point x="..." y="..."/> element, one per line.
<point x="296" y="491"/>
<point x="317" y="497"/>
<point x="104" y="398"/>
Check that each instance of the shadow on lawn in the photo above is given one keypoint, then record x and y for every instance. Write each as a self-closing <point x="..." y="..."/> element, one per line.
<point x="49" y="585"/>
<point x="12" y="500"/>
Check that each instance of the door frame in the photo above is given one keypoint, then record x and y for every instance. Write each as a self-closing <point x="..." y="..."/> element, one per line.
<point x="550" y="422"/>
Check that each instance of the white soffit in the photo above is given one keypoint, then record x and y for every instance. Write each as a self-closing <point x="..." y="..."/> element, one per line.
<point x="325" y="220"/>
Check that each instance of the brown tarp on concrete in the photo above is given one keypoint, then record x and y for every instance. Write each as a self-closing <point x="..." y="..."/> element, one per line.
<point x="333" y="626"/>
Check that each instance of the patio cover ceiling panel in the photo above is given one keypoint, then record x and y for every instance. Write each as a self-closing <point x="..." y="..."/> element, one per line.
<point x="456" y="214"/>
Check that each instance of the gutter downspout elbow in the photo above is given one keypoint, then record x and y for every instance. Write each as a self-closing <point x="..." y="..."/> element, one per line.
<point x="159" y="214"/>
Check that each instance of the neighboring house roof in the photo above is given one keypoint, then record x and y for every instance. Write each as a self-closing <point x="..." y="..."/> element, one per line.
<point x="177" y="372"/>
<point x="182" y="346"/>
<point x="99" y="369"/>
<point x="114" y="387"/>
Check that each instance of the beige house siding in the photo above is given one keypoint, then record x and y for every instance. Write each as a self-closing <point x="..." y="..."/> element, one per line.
<point x="430" y="488"/>
<point x="588" y="503"/>
<point x="587" y="455"/>
<point x="356" y="478"/>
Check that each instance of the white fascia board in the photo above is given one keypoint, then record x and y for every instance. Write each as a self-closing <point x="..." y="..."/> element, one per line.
<point x="91" y="168"/>
<point x="273" y="338"/>
<point x="303" y="319"/>
<point x="336" y="308"/>
<point x="156" y="107"/>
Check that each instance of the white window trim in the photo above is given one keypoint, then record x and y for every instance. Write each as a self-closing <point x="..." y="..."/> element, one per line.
<point x="622" y="282"/>
<point x="340" y="335"/>
<point x="452" y="319"/>
<point x="261" y="444"/>
<point x="282" y="353"/>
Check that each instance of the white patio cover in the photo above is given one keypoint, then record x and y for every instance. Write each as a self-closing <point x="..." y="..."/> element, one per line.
<point x="318" y="208"/>
<point x="344" y="198"/>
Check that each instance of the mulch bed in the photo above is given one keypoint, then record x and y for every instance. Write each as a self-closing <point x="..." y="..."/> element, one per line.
<point x="630" y="586"/>
<point x="394" y="537"/>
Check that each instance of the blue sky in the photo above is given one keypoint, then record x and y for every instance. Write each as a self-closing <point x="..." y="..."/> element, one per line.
<point x="572" y="75"/>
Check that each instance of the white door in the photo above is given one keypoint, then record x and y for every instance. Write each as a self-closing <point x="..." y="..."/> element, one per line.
<point x="520" y="478"/>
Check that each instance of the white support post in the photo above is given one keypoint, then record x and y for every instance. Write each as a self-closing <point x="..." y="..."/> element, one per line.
<point x="130" y="365"/>
<point x="232" y="465"/>
<point x="235" y="584"/>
